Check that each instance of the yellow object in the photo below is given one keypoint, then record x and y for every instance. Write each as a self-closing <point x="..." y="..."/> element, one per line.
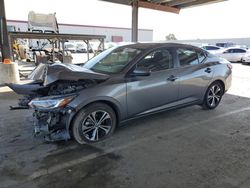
<point x="6" y="61"/>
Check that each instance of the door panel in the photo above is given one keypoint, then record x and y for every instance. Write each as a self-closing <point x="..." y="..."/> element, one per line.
<point x="228" y="56"/>
<point x="194" y="74"/>
<point x="238" y="56"/>
<point x="193" y="81"/>
<point x="145" y="93"/>
<point x="156" y="90"/>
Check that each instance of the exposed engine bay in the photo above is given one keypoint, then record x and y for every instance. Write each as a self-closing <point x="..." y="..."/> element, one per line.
<point x="67" y="87"/>
<point x="52" y="88"/>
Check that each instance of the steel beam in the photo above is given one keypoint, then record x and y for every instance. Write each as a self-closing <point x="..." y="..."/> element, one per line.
<point x="4" y="40"/>
<point x="54" y="36"/>
<point x="198" y="3"/>
<point x="179" y="2"/>
<point x="159" y="7"/>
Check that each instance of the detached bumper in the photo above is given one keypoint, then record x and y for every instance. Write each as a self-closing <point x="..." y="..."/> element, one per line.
<point x="53" y="125"/>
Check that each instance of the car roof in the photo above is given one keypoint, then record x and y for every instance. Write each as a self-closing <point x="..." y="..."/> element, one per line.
<point x="212" y="45"/>
<point x="151" y="45"/>
<point x="234" y="48"/>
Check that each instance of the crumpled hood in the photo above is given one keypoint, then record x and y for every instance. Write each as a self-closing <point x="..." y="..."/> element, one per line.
<point x="58" y="71"/>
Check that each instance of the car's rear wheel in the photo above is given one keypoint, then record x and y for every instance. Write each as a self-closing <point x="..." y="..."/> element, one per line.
<point x="213" y="96"/>
<point x="94" y="123"/>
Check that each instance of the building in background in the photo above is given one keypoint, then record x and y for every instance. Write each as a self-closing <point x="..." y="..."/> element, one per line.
<point x="113" y="34"/>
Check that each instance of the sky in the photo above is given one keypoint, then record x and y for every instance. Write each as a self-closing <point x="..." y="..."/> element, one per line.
<point x="229" y="19"/>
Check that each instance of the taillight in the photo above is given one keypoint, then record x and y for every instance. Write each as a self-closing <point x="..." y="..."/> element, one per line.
<point x="230" y="66"/>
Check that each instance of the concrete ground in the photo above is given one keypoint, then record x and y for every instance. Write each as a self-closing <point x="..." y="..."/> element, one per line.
<point x="186" y="148"/>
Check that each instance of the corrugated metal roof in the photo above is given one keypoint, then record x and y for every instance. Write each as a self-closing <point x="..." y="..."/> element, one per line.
<point x="166" y="5"/>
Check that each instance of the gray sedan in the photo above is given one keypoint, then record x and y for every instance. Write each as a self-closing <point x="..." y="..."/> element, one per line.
<point x="123" y="83"/>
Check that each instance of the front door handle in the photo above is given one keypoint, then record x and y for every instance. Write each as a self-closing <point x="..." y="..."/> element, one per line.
<point x="172" y="78"/>
<point x="208" y="70"/>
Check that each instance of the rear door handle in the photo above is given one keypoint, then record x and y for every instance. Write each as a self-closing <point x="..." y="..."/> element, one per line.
<point x="208" y="70"/>
<point x="172" y="78"/>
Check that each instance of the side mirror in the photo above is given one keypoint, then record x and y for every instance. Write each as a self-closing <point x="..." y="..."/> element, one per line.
<point x="225" y="52"/>
<point x="140" y="71"/>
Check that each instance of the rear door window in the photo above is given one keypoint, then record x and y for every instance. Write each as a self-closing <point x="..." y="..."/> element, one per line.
<point x="188" y="57"/>
<point x="212" y="48"/>
<point x="201" y="56"/>
<point x="239" y="51"/>
<point x="229" y="51"/>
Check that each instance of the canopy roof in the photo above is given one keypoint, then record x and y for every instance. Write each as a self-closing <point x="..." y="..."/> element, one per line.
<point x="173" y="6"/>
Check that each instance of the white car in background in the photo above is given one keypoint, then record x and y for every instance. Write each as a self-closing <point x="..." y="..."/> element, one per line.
<point x="233" y="54"/>
<point x="246" y="58"/>
<point x="81" y="47"/>
<point x="70" y="47"/>
<point x="212" y="49"/>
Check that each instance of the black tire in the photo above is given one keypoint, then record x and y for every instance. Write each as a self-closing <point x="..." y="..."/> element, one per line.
<point x="94" y="132"/>
<point x="242" y="62"/>
<point x="212" y="100"/>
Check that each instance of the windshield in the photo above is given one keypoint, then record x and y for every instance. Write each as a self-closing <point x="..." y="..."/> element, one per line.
<point x="112" y="60"/>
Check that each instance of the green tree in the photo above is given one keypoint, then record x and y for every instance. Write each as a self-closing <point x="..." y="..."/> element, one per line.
<point x="171" y="36"/>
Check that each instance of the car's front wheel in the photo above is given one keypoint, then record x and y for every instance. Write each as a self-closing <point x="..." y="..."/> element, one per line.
<point x="94" y="123"/>
<point x="213" y="96"/>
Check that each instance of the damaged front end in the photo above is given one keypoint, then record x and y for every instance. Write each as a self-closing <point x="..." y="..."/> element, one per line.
<point x="52" y="117"/>
<point x="53" y="88"/>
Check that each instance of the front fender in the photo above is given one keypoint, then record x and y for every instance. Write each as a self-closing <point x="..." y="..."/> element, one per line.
<point x="111" y="94"/>
<point x="81" y="105"/>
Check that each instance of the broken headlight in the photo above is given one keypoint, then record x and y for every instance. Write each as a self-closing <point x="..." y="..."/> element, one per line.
<point x="47" y="103"/>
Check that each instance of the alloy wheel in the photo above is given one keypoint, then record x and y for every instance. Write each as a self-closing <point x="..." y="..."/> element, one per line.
<point x="96" y="125"/>
<point x="214" y="95"/>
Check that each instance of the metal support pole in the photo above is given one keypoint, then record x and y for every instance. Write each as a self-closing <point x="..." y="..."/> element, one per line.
<point x="4" y="42"/>
<point x="63" y="51"/>
<point x="103" y="47"/>
<point x="87" y="42"/>
<point x="53" y="51"/>
<point x="100" y="46"/>
<point x="11" y="42"/>
<point x="135" y="21"/>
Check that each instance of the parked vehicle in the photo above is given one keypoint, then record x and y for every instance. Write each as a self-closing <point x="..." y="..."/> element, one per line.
<point x="233" y="54"/>
<point x="41" y="23"/>
<point x="212" y="49"/>
<point x="246" y="59"/>
<point x="119" y="84"/>
<point x="225" y="44"/>
<point x="70" y="47"/>
<point x="81" y="47"/>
